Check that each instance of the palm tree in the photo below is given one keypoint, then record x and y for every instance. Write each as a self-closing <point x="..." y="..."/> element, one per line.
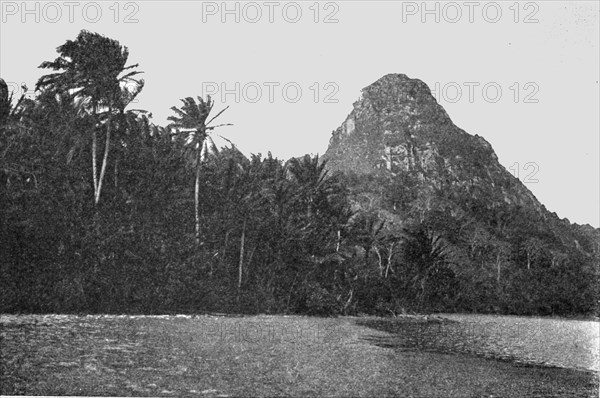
<point x="366" y="231"/>
<point x="128" y="121"/>
<point x="5" y="102"/>
<point x="313" y="180"/>
<point x="191" y="123"/>
<point x="8" y="111"/>
<point x="425" y="250"/>
<point x="93" y="67"/>
<point x="13" y="125"/>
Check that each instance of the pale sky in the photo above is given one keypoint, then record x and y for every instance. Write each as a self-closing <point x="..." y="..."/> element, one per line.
<point x="527" y="71"/>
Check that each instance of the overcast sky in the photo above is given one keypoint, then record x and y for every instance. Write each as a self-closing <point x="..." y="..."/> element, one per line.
<point x="522" y="75"/>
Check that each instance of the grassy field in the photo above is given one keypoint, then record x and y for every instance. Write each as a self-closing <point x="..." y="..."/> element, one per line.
<point x="214" y="356"/>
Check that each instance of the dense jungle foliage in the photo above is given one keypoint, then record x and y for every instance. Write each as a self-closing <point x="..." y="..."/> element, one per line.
<point x="103" y="211"/>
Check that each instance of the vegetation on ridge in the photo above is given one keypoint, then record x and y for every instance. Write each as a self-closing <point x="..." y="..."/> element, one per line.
<point x="145" y="228"/>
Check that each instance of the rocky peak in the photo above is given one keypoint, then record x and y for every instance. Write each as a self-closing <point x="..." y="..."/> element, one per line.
<point x="412" y="165"/>
<point x="398" y="127"/>
<point x="397" y="94"/>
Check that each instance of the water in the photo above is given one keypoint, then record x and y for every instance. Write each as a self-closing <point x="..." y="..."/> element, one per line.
<point x="563" y="343"/>
<point x="555" y="342"/>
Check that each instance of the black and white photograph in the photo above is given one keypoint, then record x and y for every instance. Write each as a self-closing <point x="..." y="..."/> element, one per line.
<point x="303" y="198"/>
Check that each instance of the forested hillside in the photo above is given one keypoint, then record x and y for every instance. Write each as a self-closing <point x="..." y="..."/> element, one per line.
<point x="102" y="210"/>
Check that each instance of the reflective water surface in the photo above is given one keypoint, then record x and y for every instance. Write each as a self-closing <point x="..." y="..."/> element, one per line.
<point x="565" y="343"/>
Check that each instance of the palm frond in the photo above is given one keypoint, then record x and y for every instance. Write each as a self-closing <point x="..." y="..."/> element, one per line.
<point x="218" y="114"/>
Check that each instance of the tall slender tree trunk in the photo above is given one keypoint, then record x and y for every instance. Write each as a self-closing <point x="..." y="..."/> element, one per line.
<point x="197" y="199"/>
<point x="389" y="260"/>
<point x="94" y="161"/>
<point x="224" y="252"/>
<point x="116" y="173"/>
<point x="498" y="267"/>
<point x="380" y="262"/>
<point x="289" y="299"/>
<point x="104" y="159"/>
<point x="348" y="301"/>
<point x="241" y="265"/>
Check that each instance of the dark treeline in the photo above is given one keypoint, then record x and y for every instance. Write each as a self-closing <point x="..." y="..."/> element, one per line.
<point x="103" y="211"/>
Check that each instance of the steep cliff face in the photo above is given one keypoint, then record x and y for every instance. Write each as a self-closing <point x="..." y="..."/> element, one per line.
<point x="397" y="127"/>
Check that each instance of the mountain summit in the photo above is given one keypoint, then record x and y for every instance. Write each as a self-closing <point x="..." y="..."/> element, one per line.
<point x="398" y="127"/>
<point x="405" y="158"/>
